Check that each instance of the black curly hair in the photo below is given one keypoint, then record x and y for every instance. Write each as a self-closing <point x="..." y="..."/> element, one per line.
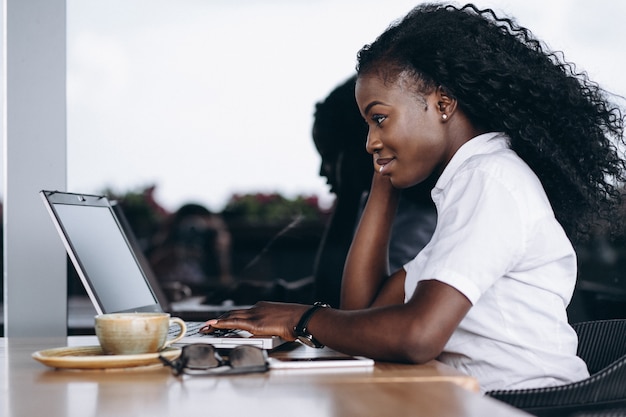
<point x="560" y="122"/>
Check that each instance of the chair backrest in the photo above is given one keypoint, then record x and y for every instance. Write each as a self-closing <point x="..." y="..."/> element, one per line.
<point x="602" y="345"/>
<point x="601" y="342"/>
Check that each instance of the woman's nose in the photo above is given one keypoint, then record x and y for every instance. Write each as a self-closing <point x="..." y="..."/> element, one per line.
<point x="373" y="143"/>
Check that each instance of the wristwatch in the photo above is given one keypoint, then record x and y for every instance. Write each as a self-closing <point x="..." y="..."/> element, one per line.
<point x="301" y="332"/>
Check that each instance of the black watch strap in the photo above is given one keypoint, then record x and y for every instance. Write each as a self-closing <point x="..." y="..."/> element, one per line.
<point x="301" y="330"/>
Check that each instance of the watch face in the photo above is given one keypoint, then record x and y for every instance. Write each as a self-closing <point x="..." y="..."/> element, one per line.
<point x="308" y="340"/>
<point x="301" y="328"/>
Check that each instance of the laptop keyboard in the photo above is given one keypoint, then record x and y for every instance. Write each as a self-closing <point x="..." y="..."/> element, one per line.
<point x="192" y="328"/>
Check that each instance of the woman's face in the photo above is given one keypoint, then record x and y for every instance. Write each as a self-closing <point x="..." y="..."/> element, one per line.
<point x="407" y="135"/>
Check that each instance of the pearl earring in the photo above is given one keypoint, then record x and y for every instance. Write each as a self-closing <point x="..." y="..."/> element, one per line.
<point x="444" y="117"/>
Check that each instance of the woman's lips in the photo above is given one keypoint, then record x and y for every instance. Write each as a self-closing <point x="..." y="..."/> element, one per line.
<point x="383" y="163"/>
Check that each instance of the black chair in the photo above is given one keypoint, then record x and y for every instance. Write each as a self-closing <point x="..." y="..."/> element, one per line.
<point x="602" y="345"/>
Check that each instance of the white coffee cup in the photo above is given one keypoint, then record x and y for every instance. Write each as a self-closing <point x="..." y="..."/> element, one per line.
<point x="136" y="333"/>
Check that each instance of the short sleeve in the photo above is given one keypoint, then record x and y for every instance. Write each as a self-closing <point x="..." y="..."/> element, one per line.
<point x="479" y="235"/>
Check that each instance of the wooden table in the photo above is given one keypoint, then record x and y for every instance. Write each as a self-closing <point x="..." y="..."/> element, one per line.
<point x="28" y="388"/>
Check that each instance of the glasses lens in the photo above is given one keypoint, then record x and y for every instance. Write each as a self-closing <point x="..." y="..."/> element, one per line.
<point x="247" y="356"/>
<point x="200" y="356"/>
<point x="203" y="359"/>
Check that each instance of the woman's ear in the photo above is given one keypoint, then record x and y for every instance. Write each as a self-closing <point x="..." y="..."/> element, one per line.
<point x="446" y="103"/>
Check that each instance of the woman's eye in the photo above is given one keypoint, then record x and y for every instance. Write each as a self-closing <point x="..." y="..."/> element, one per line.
<point x="378" y="118"/>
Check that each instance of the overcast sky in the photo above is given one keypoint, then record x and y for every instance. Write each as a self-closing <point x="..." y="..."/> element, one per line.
<point x="206" y="98"/>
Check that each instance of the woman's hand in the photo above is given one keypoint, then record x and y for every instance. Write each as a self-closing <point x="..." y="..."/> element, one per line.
<point x="263" y="319"/>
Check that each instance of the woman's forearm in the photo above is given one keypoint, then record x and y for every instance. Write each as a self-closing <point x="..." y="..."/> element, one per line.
<point x="366" y="266"/>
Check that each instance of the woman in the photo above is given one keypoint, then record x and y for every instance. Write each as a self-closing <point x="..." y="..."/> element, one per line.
<point x="476" y="102"/>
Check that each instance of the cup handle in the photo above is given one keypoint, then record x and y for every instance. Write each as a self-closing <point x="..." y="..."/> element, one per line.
<point x="183" y="329"/>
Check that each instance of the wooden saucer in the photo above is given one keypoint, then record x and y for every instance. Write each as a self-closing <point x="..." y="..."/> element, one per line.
<point x="92" y="357"/>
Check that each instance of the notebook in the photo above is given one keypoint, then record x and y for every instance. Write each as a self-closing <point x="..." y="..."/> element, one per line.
<point x="113" y="270"/>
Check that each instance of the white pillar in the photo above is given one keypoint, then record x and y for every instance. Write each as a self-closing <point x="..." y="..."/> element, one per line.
<point x="34" y="138"/>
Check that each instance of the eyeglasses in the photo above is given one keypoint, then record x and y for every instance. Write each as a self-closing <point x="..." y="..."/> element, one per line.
<point x="203" y="359"/>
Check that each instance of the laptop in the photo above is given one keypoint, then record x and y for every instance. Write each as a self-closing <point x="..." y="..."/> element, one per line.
<point x="113" y="270"/>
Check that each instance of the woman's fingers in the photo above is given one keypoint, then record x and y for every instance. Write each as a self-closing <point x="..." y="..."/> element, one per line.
<point x="264" y="318"/>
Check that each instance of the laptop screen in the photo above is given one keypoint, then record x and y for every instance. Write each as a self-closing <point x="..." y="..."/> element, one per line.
<point x="101" y="254"/>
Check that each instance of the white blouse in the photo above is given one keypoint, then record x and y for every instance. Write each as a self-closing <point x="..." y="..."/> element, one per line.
<point x="497" y="242"/>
